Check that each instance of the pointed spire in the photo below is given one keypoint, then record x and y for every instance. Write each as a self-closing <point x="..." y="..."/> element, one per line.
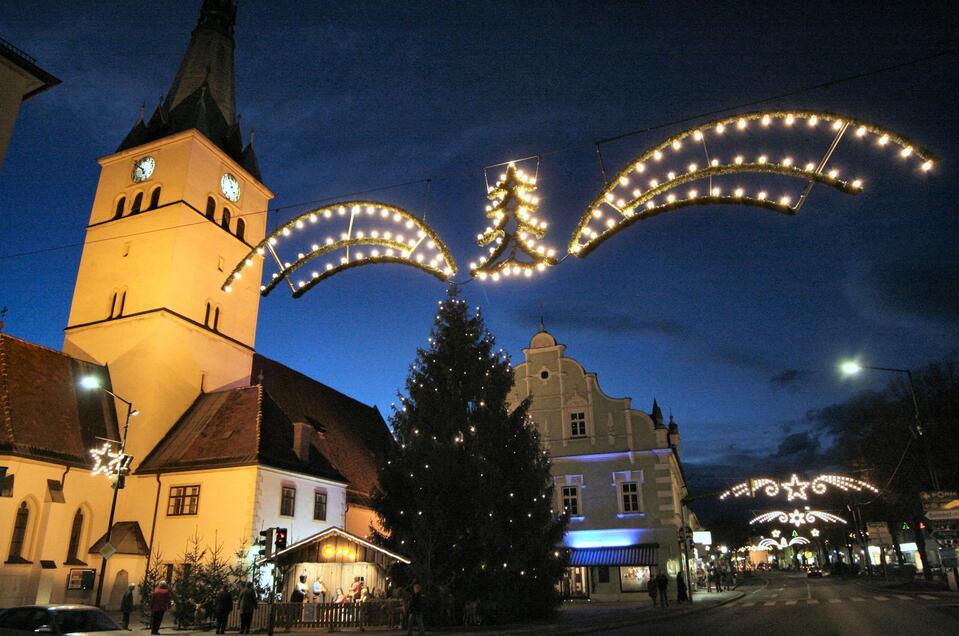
<point x="657" y="415"/>
<point x="209" y="59"/>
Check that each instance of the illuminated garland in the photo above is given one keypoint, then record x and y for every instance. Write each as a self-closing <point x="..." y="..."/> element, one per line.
<point x="767" y="544"/>
<point x="796" y="488"/>
<point x="797" y="517"/>
<point x="625" y="202"/>
<point x="409" y="242"/>
<point x="108" y="462"/>
<point x="512" y="200"/>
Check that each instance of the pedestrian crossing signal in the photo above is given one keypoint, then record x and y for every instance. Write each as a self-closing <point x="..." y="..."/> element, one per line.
<point x="279" y="541"/>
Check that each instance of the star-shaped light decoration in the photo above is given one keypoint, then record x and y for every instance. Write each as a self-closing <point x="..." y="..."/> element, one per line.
<point x="797" y="518"/>
<point x="776" y="533"/>
<point x="814" y="532"/>
<point x="795" y="488"/>
<point x="106" y="461"/>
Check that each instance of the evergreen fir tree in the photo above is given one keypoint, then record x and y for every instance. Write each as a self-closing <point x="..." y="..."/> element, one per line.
<point x="466" y="493"/>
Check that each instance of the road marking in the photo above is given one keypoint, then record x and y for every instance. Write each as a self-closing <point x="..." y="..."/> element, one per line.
<point x="790" y="602"/>
<point x="834" y="600"/>
<point x="928" y="598"/>
<point x="769" y="603"/>
<point x="812" y="601"/>
<point x="903" y="597"/>
<point x="749" y="604"/>
<point x="881" y="598"/>
<point x="858" y="599"/>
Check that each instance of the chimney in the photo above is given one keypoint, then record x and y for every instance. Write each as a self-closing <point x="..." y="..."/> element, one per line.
<point x="302" y="439"/>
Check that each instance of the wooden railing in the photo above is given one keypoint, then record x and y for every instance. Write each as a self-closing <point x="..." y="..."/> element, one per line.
<point x="300" y="616"/>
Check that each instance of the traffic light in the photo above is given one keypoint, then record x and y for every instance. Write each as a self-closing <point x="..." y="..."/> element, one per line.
<point x="279" y="541"/>
<point x="266" y="542"/>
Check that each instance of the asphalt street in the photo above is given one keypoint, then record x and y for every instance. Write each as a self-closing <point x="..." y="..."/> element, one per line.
<point x="790" y="604"/>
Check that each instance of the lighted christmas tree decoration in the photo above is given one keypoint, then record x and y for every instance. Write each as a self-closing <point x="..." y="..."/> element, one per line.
<point x="706" y="158"/>
<point x="797" y="517"/>
<point x="354" y="233"/>
<point x="512" y="237"/>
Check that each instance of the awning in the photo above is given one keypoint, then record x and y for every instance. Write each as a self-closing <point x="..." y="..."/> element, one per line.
<point x="644" y="554"/>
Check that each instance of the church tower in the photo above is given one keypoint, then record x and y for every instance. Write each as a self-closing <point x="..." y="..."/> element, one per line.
<point x="176" y="207"/>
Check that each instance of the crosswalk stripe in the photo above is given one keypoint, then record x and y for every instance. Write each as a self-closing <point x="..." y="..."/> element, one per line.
<point x="903" y="597"/>
<point x="769" y="603"/>
<point x="834" y="600"/>
<point x="749" y="604"/>
<point x="881" y="598"/>
<point x="790" y="602"/>
<point x="927" y="597"/>
<point x="812" y="601"/>
<point x="858" y="599"/>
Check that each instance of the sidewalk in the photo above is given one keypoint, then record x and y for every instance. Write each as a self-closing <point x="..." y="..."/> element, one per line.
<point x="578" y="617"/>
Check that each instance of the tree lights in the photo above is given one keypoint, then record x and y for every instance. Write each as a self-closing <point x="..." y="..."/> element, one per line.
<point x="640" y="191"/>
<point x="512" y="201"/>
<point x="375" y="233"/>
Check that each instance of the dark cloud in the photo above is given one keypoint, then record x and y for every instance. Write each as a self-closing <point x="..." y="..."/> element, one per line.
<point x="788" y="379"/>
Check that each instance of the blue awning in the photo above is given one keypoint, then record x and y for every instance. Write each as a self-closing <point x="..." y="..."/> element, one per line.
<point x="644" y="554"/>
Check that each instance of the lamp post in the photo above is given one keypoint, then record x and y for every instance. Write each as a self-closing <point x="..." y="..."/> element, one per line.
<point x="92" y="382"/>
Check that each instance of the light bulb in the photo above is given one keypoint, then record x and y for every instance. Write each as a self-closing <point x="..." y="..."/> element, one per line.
<point x="720" y="128"/>
<point x="741" y="124"/>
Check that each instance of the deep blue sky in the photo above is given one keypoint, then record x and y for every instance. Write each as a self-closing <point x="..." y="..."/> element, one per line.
<point x="733" y="318"/>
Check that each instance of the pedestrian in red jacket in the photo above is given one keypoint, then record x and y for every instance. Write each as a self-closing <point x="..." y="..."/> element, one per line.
<point x="159" y="603"/>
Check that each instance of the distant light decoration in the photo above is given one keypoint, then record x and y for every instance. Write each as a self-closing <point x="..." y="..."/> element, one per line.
<point x="374" y="233"/>
<point x="513" y="201"/>
<point x="797" y="517"/>
<point x="782" y="543"/>
<point x="814" y="532"/>
<point x="108" y="462"/>
<point x="623" y="203"/>
<point x="795" y="488"/>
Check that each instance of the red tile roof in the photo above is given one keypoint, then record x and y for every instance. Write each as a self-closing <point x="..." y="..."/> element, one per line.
<point x="43" y="412"/>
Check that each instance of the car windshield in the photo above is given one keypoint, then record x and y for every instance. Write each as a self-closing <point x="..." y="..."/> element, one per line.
<point x="84" y="620"/>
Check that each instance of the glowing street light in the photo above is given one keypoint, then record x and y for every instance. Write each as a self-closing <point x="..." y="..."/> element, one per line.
<point x="850" y="367"/>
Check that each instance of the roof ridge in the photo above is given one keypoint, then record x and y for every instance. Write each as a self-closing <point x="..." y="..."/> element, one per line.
<point x="315" y="381"/>
<point x="50" y="349"/>
<point x="4" y="387"/>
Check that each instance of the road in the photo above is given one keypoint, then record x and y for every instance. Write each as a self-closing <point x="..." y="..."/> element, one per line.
<point x="790" y="604"/>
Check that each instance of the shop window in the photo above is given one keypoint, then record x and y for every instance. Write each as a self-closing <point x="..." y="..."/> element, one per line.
<point x="577" y="424"/>
<point x="571" y="500"/>
<point x="20" y="524"/>
<point x="184" y="500"/>
<point x="319" y="506"/>
<point x="630" y="491"/>
<point x="602" y="573"/>
<point x="288" y="501"/>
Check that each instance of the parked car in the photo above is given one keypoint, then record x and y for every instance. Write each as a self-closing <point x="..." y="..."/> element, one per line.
<point x="814" y="571"/>
<point x="58" y="619"/>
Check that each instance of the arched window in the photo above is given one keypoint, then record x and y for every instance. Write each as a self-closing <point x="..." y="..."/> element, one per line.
<point x="225" y="219"/>
<point x="113" y="305"/>
<point x="137" y="203"/>
<point x="121" y="204"/>
<point x="155" y="198"/>
<point x="216" y="319"/>
<point x="206" y="316"/>
<point x="74" y="545"/>
<point x="240" y="228"/>
<point x="19" y="534"/>
<point x="210" y="208"/>
<point x="123" y="301"/>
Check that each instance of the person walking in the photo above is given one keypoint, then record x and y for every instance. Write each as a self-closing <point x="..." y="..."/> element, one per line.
<point x="662" y="582"/>
<point x="247" y="606"/>
<point x="414" y="610"/>
<point x="681" y="596"/>
<point x="126" y="607"/>
<point x="224" y="605"/>
<point x="652" y="588"/>
<point x="159" y="604"/>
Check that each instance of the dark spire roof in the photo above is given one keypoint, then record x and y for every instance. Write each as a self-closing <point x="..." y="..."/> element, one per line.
<point x="202" y="94"/>
<point x="657" y="414"/>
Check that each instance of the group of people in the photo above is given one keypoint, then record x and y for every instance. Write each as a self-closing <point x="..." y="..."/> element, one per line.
<point x="658" y="587"/>
<point x="161" y="600"/>
<point x="715" y="577"/>
<point x="358" y="592"/>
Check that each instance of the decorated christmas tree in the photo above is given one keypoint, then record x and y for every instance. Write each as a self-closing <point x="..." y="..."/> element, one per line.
<point x="467" y="493"/>
<point x="514" y="231"/>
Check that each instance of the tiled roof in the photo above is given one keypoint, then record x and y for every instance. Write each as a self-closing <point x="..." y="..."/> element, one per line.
<point x="126" y="537"/>
<point x="643" y="554"/>
<point x="353" y="435"/>
<point x="234" y="427"/>
<point x="43" y="412"/>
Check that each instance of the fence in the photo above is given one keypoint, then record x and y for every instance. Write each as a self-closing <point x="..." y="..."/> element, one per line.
<point x="300" y="616"/>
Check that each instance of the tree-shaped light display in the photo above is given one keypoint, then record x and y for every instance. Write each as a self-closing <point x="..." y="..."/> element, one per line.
<point x="514" y="230"/>
<point x="356" y="233"/>
<point x="700" y="158"/>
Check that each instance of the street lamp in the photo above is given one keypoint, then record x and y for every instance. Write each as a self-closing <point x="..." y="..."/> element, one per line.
<point x="853" y="367"/>
<point x="92" y="382"/>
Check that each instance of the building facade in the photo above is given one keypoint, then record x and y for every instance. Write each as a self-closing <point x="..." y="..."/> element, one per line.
<point x="616" y="472"/>
<point x="20" y="79"/>
<point x="225" y="442"/>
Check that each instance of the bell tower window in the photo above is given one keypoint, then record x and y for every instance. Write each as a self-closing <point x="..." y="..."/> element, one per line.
<point x="155" y="198"/>
<point x="137" y="203"/>
<point x="210" y="208"/>
<point x="216" y="319"/>
<point x="121" y="204"/>
<point x="240" y="228"/>
<point x="225" y="219"/>
<point x="206" y="316"/>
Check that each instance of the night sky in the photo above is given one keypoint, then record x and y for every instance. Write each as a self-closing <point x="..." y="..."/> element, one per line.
<point x="734" y="318"/>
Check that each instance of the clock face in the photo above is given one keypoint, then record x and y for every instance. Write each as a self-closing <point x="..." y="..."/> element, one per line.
<point x="143" y="169"/>
<point x="230" y="187"/>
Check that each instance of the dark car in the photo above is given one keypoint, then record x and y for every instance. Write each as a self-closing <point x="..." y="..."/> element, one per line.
<point x="58" y="619"/>
<point x="814" y="571"/>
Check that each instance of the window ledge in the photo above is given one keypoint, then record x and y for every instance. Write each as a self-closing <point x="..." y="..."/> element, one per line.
<point x="74" y="562"/>
<point x="17" y="561"/>
<point x="630" y="515"/>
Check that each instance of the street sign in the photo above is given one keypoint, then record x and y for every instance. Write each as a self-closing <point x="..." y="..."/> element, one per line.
<point x="939" y="515"/>
<point x="107" y="550"/>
